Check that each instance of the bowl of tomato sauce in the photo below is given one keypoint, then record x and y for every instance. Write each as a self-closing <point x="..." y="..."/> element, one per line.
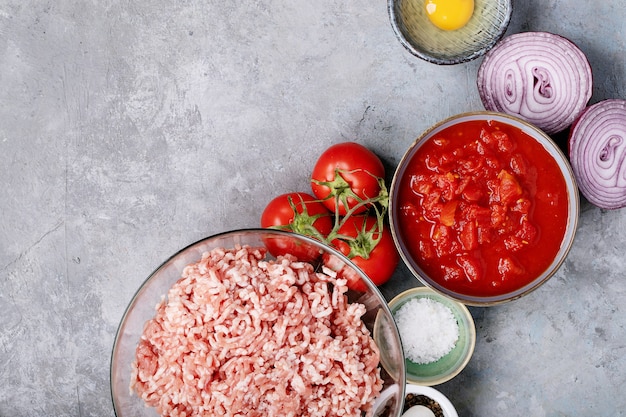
<point x="483" y="208"/>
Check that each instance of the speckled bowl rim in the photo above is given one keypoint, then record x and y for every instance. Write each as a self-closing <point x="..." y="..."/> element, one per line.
<point x="481" y="50"/>
<point x="570" y="232"/>
<point x="461" y="309"/>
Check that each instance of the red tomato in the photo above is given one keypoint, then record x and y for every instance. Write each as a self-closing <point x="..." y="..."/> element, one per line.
<point x="310" y="214"/>
<point x="299" y="213"/>
<point x="509" y="189"/>
<point x="382" y="260"/>
<point x="360" y="170"/>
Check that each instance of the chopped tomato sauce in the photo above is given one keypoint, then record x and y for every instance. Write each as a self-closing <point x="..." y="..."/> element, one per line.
<point x="483" y="208"/>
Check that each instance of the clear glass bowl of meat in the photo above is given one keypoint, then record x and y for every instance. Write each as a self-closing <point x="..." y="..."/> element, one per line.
<point x="257" y="322"/>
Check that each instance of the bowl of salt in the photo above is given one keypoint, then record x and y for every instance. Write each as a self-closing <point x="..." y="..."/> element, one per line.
<point x="438" y="335"/>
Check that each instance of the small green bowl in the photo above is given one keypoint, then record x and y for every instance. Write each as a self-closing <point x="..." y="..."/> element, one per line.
<point x="452" y="364"/>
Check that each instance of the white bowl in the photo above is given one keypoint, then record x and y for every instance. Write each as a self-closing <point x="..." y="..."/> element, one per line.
<point x="446" y="406"/>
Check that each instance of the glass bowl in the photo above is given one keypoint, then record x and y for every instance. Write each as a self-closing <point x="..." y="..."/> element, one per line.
<point x="452" y="363"/>
<point x="423" y="39"/>
<point x="499" y="293"/>
<point x="377" y="318"/>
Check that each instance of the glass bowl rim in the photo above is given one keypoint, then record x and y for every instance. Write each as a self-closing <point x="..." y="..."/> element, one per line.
<point x="254" y="230"/>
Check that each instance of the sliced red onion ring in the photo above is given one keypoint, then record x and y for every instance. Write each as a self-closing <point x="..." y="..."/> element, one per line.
<point x="597" y="150"/>
<point x="540" y="77"/>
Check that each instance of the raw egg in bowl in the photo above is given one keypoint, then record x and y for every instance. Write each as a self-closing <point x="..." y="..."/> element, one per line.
<point x="483" y="208"/>
<point x="449" y="14"/>
<point x="449" y="31"/>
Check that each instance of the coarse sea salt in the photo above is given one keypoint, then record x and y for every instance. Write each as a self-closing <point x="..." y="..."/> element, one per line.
<point x="428" y="329"/>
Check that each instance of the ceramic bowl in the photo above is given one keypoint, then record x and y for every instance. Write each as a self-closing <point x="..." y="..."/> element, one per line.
<point x="451" y="364"/>
<point x="504" y="291"/>
<point x="142" y="308"/>
<point x="423" y="39"/>
<point x="446" y="406"/>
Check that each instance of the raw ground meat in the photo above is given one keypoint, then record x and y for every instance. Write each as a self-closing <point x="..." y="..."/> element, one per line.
<point x="241" y="336"/>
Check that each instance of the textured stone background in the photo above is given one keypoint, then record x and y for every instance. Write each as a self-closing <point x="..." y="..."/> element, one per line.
<point x="129" y="129"/>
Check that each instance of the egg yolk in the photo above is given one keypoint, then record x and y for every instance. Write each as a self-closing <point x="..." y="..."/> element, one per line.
<point x="449" y="14"/>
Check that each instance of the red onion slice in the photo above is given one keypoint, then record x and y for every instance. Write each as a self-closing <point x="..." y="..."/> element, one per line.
<point x="597" y="150"/>
<point x="540" y="77"/>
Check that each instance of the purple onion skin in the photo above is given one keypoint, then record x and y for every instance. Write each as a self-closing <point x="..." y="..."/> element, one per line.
<point x="540" y="77"/>
<point x="597" y="153"/>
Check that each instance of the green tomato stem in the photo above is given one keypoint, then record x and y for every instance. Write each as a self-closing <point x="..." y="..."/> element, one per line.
<point x="366" y="240"/>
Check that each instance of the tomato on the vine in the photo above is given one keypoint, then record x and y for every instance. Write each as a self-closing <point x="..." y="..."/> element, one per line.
<point x="299" y="213"/>
<point x="347" y="212"/>
<point x="373" y="251"/>
<point x="346" y="176"/>
<point x="312" y="216"/>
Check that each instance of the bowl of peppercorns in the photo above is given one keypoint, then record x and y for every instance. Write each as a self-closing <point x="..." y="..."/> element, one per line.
<point x="422" y="401"/>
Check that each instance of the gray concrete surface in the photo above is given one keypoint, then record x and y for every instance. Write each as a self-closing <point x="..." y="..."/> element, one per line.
<point x="129" y="129"/>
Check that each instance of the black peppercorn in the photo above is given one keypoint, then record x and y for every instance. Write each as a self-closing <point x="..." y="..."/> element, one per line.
<point x="412" y="400"/>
